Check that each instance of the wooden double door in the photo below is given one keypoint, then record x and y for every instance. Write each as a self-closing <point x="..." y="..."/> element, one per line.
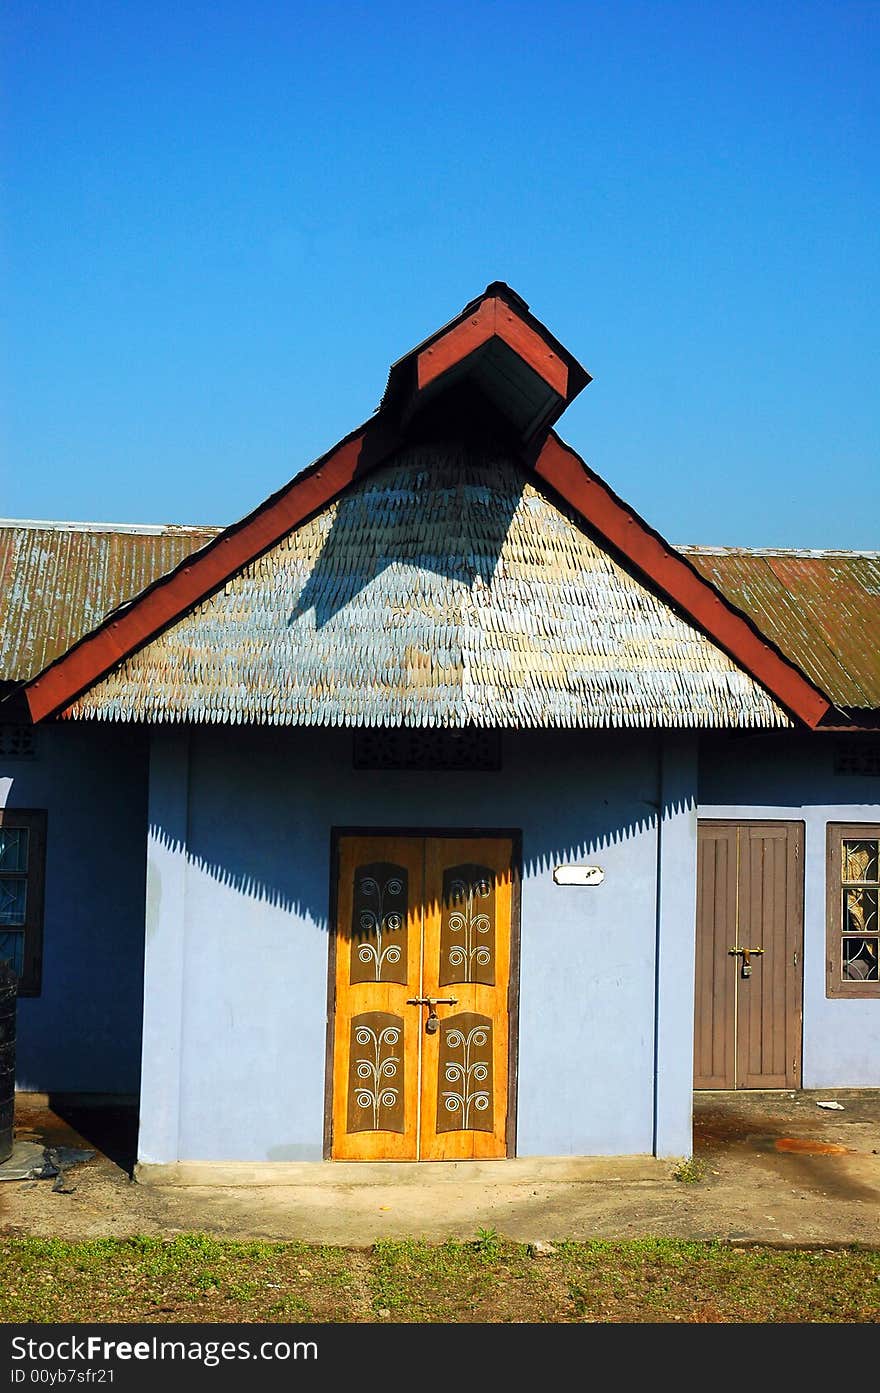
<point x="422" y="994"/>
<point x="749" y="966"/>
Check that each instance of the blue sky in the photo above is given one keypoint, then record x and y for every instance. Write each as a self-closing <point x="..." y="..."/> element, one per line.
<point x="222" y="222"/>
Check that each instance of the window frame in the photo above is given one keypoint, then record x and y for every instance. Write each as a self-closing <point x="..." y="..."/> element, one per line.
<point x="836" y="986"/>
<point x="34" y="819"/>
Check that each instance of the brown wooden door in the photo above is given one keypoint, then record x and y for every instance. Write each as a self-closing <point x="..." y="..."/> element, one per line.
<point x="749" y="895"/>
<point x="422" y="917"/>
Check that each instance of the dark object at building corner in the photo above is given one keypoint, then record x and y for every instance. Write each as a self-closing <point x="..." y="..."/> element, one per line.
<point x="8" y="995"/>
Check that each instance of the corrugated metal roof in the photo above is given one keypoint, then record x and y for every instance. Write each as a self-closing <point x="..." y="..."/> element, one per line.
<point x="821" y="608"/>
<point x="59" y="579"/>
<point x="445" y="589"/>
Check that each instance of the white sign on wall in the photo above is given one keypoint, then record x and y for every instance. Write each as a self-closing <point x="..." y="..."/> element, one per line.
<point x="578" y="875"/>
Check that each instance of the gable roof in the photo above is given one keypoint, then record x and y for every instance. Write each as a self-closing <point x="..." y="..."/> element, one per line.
<point x="59" y="579"/>
<point x="821" y="608"/>
<point x="510" y="356"/>
<point x="510" y="328"/>
<point x="445" y="589"/>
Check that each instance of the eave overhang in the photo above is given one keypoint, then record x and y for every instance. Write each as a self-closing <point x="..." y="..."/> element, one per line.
<point x="492" y="333"/>
<point x="497" y="345"/>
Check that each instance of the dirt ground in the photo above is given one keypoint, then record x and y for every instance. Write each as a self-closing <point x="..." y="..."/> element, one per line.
<point x="768" y="1167"/>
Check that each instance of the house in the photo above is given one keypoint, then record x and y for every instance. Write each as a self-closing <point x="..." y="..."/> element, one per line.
<point x="439" y="808"/>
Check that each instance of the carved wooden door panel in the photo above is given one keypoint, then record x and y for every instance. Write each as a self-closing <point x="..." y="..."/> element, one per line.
<point x="421" y="918"/>
<point x="467" y="957"/>
<point x="378" y="965"/>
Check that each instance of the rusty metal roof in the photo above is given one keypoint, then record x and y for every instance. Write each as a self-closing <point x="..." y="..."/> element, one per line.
<point x="445" y="589"/>
<point x="821" y="608"/>
<point x="59" y="579"/>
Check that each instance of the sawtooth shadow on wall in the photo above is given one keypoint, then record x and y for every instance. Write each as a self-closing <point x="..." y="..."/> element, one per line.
<point x="278" y="851"/>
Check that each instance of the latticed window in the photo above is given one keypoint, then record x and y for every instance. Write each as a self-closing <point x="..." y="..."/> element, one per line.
<point x="472" y="748"/>
<point x="22" y="860"/>
<point x="853" y="966"/>
<point x="17" y="742"/>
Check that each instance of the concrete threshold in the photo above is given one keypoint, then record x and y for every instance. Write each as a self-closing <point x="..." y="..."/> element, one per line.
<point x="49" y="1101"/>
<point x="523" y="1170"/>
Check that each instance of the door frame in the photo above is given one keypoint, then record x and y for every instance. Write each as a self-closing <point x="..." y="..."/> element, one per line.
<point x="799" y="824"/>
<point x="511" y="834"/>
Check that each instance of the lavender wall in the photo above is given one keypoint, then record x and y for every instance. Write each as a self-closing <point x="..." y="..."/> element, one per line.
<point x="236" y="916"/>
<point x="792" y="777"/>
<point x="237" y="934"/>
<point x="83" y="1032"/>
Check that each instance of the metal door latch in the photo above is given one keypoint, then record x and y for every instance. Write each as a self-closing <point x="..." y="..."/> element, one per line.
<point x="432" y="1024"/>
<point x="746" y="954"/>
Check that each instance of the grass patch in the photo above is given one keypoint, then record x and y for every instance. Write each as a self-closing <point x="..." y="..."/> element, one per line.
<point x="198" y="1278"/>
<point x="690" y="1171"/>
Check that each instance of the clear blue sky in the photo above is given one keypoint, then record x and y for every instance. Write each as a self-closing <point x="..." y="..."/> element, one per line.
<point x="222" y="222"/>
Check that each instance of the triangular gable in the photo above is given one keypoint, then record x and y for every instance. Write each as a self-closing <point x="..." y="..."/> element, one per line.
<point x="447" y="589"/>
<point x="504" y="327"/>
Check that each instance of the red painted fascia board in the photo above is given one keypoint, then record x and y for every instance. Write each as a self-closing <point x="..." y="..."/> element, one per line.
<point x="572" y="478"/>
<point x="162" y="603"/>
<point x="168" y="598"/>
<point x="199" y="576"/>
<point x="492" y="318"/>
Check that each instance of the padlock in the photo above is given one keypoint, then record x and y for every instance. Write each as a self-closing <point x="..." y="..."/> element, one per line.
<point x="432" y="1024"/>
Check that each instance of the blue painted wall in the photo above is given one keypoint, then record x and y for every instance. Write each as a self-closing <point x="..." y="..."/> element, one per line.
<point x="237" y="929"/>
<point x="792" y="777"/>
<point x="237" y="933"/>
<point x="83" y="1033"/>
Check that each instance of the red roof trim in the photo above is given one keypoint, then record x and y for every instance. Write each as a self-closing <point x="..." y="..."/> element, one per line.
<point x="198" y="576"/>
<point x="492" y="318"/>
<point x="572" y="478"/>
<point x="164" y="602"/>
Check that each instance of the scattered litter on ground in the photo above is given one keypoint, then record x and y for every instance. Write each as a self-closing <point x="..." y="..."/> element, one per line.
<point x="831" y="1106"/>
<point x="803" y="1146"/>
<point x="31" y="1160"/>
<point x="27" y="1158"/>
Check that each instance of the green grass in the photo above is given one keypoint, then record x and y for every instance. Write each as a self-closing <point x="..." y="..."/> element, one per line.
<point x="690" y="1171"/>
<point x="198" y="1278"/>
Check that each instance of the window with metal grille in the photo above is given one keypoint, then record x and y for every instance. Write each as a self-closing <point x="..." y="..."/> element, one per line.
<point x="469" y="749"/>
<point x="22" y="867"/>
<point x="853" y="942"/>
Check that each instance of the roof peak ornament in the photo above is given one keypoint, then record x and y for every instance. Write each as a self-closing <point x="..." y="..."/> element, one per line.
<point x="498" y="347"/>
<point x="494" y="352"/>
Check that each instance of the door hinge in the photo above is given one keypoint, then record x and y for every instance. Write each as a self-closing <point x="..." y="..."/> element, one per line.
<point x="795" y="959"/>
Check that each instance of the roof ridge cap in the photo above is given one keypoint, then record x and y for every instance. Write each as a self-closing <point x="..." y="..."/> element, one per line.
<point x="720" y="550"/>
<point x="142" y="528"/>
